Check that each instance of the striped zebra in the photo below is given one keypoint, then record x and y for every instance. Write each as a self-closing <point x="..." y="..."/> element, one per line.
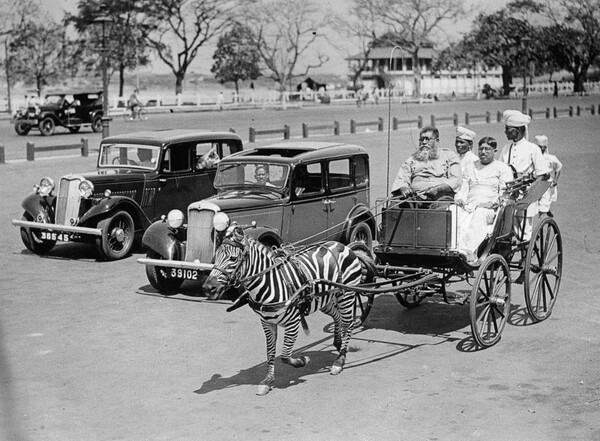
<point x="274" y="280"/>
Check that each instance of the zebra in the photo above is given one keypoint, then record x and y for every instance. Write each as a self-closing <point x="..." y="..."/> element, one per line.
<point x="273" y="281"/>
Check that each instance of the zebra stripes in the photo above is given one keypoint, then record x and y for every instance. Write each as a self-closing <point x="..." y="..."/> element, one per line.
<point x="272" y="279"/>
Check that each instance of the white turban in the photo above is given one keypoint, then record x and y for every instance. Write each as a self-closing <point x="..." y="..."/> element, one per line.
<point x="541" y="140"/>
<point x="514" y="118"/>
<point x="466" y="134"/>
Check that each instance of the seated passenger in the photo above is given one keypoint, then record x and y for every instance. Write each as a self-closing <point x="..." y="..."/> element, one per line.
<point x="145" y="158"/>
<point x="431" y="173"/>
<point x="261" y="174"/>
<point x="484" y="181"/>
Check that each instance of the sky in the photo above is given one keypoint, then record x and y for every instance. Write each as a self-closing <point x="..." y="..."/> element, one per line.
<point x="336" y="64"/>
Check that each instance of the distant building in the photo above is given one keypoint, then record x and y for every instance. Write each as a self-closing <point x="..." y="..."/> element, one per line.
<point x="378" y="73"/>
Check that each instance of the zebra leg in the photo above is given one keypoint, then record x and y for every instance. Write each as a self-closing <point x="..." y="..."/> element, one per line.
<point x="346" y="312"/>
<point x="291" y="333"/>
<point x="331" y="310"/>
<point x="271" y="336"/>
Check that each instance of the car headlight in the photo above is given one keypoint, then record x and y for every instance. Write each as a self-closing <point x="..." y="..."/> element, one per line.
<point x="220" y="221"/>
<point x="46" y="186"/>
<point x="86" y="189"/>
<point x="175" y="218"/>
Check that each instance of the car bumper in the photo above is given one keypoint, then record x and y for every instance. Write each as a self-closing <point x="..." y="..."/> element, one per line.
<point x="57" y="228"/>
<point x="202" y="267"/>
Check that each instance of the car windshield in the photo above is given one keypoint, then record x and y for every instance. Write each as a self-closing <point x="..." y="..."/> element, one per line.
<point x="53" y="99"/>
<point x="252" y="175"/>
<point x="128" y="156"/>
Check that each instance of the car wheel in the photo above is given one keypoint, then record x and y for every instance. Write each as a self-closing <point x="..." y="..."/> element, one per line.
<point x="32" y="240"/>
<point x="47" y="126"/>
<point x="117" y="236"/>
<point x="361" y="233"/>
<point x="74" y="129"/>
<point x="158" y="278"/>
<point x="97" y="124"/>
<point x="22" y="128"/>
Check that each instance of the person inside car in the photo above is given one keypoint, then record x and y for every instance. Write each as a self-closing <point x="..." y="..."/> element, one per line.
<point x="145" y="158"/>
<point x="261" y="174"/>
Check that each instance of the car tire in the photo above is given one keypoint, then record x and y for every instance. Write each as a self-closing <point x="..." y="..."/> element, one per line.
<point x="22" y="128"/>
<point x="32" y="240"/>
<point x="361" y="233"/>
<point x="118" y="233"/>
<point x="158" y="280"/>
<point x="47" y="126"/>
<point x="74" y="129"/>
<point x="97" y="124"/>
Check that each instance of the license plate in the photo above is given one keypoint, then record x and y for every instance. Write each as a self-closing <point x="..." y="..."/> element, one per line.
<point x="60" y="237"/>
<point x="182" y="273"/>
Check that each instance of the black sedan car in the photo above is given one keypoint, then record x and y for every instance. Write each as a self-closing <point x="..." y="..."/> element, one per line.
<point x="139" y="177"/>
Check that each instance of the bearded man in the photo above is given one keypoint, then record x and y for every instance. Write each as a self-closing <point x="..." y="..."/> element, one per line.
<point x="431" y="173"/>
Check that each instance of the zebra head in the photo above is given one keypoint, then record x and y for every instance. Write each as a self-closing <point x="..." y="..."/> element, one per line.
<point x="229" y="257"/>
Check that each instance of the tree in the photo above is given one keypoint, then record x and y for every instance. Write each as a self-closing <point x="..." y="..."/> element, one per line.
<point x="416" y="22"/>
<point x="126" y="45"/>
<point x="284" y="33"/>
<point x="176" y="29"/>
<point x="236" y="58"/>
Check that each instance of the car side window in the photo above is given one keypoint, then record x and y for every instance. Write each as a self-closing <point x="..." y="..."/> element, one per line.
<point x="177" y="159"/>
<point x="308" y="180"/>
<point x="361" y="171"/>
<point x="339" y="175"/>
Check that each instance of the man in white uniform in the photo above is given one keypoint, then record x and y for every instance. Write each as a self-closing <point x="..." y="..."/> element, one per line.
<point x="464" y="146"/>
<point x="556" y="166"/>
<point x="484" y="181"/>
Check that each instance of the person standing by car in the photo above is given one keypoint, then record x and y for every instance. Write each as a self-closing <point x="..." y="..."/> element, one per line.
<point x="556" y="166"/>
<point x="431" y="173"/>
<point x="464" y="146"/>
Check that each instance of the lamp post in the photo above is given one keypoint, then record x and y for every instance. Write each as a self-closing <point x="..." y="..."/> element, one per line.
<point x="105" y="113"/>
<point x="525" y="42"/>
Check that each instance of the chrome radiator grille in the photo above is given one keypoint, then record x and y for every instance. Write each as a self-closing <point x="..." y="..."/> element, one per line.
<point x="67" y="202"/>
<point x="200" y="243"/>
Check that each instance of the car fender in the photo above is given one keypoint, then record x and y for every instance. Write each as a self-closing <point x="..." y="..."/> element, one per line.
<point x="359" y="213"/>
<point x="265" y="235"/>
<point x="160" y="238"/>
<point x="112" y="204"/>
<point x="39" y="207"/>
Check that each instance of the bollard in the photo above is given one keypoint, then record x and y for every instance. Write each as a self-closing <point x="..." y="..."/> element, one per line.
<point x="466" y="119"/>
<point x="455" y="120"/>
<point x="84" y="147"/>
<point x="547" y="112"/>
<point x="488" y="117"/>
<point x="555" y="112"/>
<point x="570" y="110"/>
<point x="578" y="110"/>
<point x="286" y="131"/>
<point x="2" y="154"/>
<point x="336" y="128"/>
<point x="30" y="151"/>
<point x="593" y="110"/>
<point x="395" y="123"/>
<point x="304" y="130"/>
<point x="352" y="126"/>
<point x="251" y="134"/>
<point x="530" y="113"/>
<point x="432" y="120"/>
<point x="499" y="116"/>
<point x="380" y="124"/>
<point x="420" y="122"/>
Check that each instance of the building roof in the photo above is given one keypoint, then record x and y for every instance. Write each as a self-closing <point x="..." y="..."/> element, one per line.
<point x="384" y="52"/>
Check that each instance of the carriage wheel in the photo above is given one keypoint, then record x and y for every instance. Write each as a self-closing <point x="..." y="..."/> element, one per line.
<point x="490" y="300"/>
<point x="362" y="307"/>
<point x="543" y="269"/>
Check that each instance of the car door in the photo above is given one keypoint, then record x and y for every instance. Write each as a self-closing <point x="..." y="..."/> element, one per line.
<point x="341" y="197"/>
<point x="306" y="216"/>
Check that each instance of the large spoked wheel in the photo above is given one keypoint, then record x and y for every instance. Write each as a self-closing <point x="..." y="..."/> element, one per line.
<point x="543" y="269"/>
<point x="47" y="126"/>
<point x="157" y="277"/>
<point x="361" y="233"/>
<point x="32" y="239"/>
<point x="490" y="300"/>
<point x="142" y="114"/>
<point x="117" y="236"/>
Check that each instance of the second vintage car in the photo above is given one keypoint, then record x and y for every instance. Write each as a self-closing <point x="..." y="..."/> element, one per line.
<point x="139" y="177"/>
<point x="293" y="192"/>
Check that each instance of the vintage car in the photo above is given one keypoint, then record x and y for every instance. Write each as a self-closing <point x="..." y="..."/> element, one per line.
<point x="293" y="192"/>
<point x="139" y="176"/>
<point x="72" y="110"/>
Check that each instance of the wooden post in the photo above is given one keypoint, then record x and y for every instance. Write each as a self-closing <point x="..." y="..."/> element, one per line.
<point x="352" y="126"/>
<point x="555" y="112"/>
<point x="380" y="124"/>
<point x="498" y="116"/>
<point x="455" y="119"/>
<point x="488" y="117"/>
<point x="231" y="130"/>
<point x="286" y="131"/>
<point x="2" y="159"/>
<point x="466" y="119"/>
<point x="30" y="151"/>
<point x="547" y="112"/>
<point x="304" y="130"/>
<point x="593" y="110"/>
<point x="578" y="110"/>
<point x="395" y="123"/>
<point x="432" y="120"/>
<point x="84" y="147"/>
<point x="251" y="134"/>
<point x="420" y="122"/>
<point x="336" y="128"/>
<point x="530" y="112"/>
<point x="570" y="110"/>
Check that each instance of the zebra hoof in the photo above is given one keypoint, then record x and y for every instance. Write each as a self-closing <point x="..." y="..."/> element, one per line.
<point x="336" y="369"/>
<point x="305" y="360"/>
<point x="263" y="389"/>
